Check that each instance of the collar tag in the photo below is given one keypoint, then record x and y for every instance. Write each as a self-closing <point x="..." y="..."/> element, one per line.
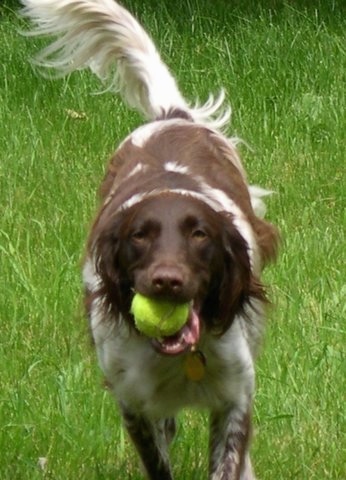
<point x="195" y="364"/>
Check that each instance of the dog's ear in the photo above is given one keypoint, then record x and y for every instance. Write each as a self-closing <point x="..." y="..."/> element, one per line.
<point x="105" y="244"/>
<point x="239" y="285"/>
<point x="106" y="249"/>
<point x="268" y="239"/>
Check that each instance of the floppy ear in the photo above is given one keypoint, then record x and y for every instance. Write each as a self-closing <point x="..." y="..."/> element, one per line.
<point x="105" y="245"/>
<point x="268" y="240"/>
<point x="239" y="285"/>
<point x="106" y="249"/>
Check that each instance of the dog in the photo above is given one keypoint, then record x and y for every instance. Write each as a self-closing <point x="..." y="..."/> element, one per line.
<point x="177" y="221"/>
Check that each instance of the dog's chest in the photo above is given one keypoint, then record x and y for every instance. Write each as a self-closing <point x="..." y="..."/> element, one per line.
<point x="159" y="385"/>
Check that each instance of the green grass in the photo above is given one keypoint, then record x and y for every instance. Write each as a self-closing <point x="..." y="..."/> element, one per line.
<point x="284" y="68"/>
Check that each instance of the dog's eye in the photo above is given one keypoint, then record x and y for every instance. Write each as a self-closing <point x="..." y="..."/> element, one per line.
<point x="199" y="234"/>
<point x="138" y="236"/>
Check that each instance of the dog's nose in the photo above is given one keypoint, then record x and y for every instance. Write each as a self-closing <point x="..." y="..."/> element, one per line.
<point x="167" y="280"/>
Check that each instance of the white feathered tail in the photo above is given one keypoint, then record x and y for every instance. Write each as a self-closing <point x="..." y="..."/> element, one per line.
<point x="102" y="35"/>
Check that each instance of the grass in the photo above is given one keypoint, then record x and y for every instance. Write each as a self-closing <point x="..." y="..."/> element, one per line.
<point x="283" y="66"/>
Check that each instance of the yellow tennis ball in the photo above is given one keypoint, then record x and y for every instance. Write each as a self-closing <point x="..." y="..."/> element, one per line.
<point x="158" y="318"/>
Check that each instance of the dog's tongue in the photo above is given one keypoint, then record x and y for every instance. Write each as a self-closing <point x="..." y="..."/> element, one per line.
<point x="187" y="336"/>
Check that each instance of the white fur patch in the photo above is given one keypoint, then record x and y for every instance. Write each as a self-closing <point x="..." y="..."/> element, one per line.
<point x="134" y="200"/>
<point x="142" y="134"/>
<point x="256" y="195"/>
<point x="174" y="167"/>
<point x="90" y="278"/>
<point x="139" y="168"/>
<point x="142" y="379"/>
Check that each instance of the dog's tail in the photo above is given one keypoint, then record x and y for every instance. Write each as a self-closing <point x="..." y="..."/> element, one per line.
<point x="102" y="35"/>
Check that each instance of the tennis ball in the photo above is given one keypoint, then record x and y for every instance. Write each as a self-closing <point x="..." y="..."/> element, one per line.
<point x="158" y="318"/>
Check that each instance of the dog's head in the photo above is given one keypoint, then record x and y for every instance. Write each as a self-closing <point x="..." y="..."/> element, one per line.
<point x="178" y="248"/>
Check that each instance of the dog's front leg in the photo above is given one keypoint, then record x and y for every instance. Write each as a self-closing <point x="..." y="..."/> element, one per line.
<point x="228" y="444"/>
<point x="151" y="441"/>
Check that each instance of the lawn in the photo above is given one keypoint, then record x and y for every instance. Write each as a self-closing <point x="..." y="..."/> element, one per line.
<point x="283" y="65"/>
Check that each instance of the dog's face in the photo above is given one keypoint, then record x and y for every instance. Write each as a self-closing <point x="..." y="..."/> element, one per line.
<point x="171" y="248"/>
<point x="177" y="248"/>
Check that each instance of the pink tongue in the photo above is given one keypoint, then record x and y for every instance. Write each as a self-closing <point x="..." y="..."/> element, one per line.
<point x="187" y="336"/>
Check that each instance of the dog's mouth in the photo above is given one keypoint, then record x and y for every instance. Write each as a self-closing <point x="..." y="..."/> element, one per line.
<point x="183" y="340"/>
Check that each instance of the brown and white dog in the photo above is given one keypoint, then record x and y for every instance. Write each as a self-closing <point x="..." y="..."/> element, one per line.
<point x="177" y="221"/>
